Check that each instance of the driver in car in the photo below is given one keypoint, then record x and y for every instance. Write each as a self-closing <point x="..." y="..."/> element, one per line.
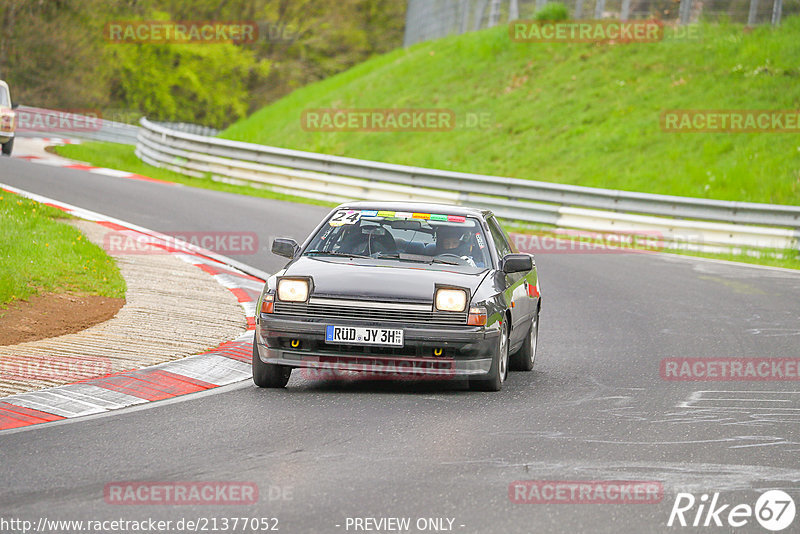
<point x="455" y="241"/>
<point x="370" y="240"/>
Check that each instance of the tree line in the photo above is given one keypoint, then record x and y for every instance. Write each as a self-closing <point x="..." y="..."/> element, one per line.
<point x="57" y="54"/>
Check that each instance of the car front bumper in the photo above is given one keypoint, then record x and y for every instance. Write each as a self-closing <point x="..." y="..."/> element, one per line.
<point x="466" y="351"/>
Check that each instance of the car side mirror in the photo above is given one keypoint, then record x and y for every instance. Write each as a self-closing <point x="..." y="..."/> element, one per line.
<point x="517" y="263"/>
<point x="288" y="248"/>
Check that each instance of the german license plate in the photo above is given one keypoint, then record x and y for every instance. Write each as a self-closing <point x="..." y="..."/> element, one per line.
<point x="356" y="335"/>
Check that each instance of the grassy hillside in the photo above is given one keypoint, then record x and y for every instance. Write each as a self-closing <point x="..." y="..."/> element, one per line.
<point x="583" y="114"/>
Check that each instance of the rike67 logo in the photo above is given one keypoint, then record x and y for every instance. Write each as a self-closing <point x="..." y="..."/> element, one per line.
<point x="774" y="510"/>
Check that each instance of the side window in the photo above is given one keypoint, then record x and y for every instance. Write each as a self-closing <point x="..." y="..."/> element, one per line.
<point x="500" y="241"/>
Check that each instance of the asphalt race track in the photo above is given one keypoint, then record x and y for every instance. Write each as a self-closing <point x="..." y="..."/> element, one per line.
<point x="323" y="451"/>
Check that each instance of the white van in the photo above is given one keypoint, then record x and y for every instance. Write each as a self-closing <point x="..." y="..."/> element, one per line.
<point x="8" y="119"/>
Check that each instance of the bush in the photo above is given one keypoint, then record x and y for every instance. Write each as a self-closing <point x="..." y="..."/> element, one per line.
<point x="552" y="11"/>
<point x="204" y="84"/>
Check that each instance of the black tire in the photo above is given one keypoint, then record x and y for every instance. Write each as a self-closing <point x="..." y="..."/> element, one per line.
<point x="525" y="357"/>
<point x="8" y="146"/>
<point x="499" y="369"/>
<point x="267" y="375"/>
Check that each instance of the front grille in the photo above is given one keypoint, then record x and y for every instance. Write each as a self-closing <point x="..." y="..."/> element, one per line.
<point x="371" y="311"/>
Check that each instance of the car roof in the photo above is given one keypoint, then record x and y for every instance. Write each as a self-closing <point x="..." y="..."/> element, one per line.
<point x="418" y="207"/>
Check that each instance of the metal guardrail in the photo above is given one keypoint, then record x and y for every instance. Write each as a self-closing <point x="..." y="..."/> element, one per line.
<point x="699" y="224"/>
<point x="187" y="127"/>
<point x="336" y="178"/>
<point x="39" y="122"/>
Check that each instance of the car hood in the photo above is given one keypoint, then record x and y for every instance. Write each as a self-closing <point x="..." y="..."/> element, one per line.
<point x="382" y="279"/>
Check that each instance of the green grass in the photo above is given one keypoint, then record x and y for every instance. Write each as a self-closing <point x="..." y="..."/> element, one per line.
<point x="585" y="114"/>
<point x="40" y="253"/>
<point x="122" y="157"/>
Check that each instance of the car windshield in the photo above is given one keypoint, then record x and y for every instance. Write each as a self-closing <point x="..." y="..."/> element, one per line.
<point x="5" y="99"/>
<point x="409" y="237"/>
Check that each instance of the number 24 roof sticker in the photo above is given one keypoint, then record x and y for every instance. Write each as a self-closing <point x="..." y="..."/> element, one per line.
<point x="343" y="217"/>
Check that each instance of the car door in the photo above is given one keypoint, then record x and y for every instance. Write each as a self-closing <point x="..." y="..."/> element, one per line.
<point x="516" y="292"/>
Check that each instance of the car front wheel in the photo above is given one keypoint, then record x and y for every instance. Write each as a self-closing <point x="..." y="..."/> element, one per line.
<point x="499" y="370"/>
<point x="267" y="375"/>
<point x="8" y="146"/>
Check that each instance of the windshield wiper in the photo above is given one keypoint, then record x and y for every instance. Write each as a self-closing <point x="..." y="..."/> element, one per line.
<point x="392" y="256"/>
<point x="445" y="262"/>
<point x="341" y="254"/>
<point x="416" y="258"/>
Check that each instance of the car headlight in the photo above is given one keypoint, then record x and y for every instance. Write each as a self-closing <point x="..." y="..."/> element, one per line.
<point x="293" y="290"/>
<point x="452" y="300"/>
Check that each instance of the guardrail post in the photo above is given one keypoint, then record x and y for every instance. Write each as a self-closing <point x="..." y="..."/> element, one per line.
<point x="626" y="10"/>
<point x="599" y="7"/>
<point x="777" y="11"/>
<point x="751" y="15"/>
<point x="408" y="38"/>
<point x="449" y="19"/>
<point x="479" y="14"/>
<point x="578" y="10"/>
<point x="494" y="13"/>
<point x="685" y="11"/>
<point x="464" y="16"/>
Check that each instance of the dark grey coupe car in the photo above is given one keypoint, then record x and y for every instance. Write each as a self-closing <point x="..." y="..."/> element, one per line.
<point x="398" y="289"/>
